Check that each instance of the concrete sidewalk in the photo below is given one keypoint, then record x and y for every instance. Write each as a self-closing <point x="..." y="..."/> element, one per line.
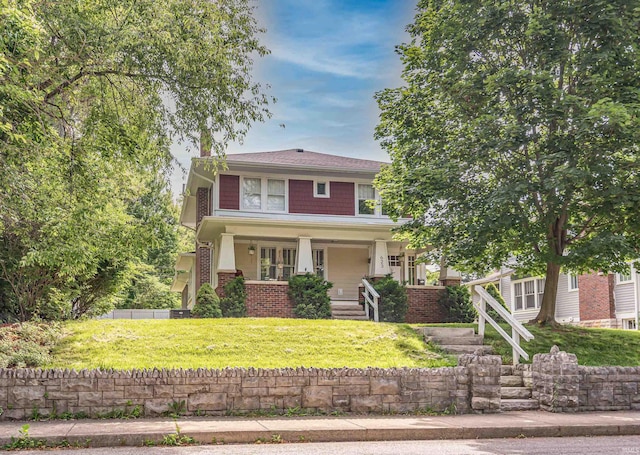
<point x="230" y="430"/>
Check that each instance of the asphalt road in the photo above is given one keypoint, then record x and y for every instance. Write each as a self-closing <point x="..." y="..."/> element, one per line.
<point x="619" y="445"/>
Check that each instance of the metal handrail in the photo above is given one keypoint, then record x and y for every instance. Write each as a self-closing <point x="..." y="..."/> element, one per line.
<point x="371" y="299"/>
<point x="517" y="329"/>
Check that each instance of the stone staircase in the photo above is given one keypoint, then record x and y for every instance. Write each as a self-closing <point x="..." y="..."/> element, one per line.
<point x="456" y="340"/>
<point x="347" y="309"/>
<point x="515" y="388"/>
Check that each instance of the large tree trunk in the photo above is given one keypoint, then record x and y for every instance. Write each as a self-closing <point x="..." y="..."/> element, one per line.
<point x="547" y="314"/>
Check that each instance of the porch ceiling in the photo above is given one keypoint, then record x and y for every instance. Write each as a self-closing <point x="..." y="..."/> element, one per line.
<point x="211" y="227"/>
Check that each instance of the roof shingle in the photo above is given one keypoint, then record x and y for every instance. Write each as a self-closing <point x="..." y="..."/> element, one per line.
<point x="306" y="159"/>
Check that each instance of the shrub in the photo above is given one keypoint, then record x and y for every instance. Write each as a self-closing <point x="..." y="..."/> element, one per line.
<point x="309" y="294"/>
<point x="207" y="303"/>
<point x="233" y="304"/>
<point x="456" y="303"/>
<point x="28" y="344"/>
<point x="493" y="292"/>
<point x="393" y="303"/>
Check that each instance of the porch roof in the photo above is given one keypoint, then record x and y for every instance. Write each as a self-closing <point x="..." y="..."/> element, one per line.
<point x="354" y="230"/>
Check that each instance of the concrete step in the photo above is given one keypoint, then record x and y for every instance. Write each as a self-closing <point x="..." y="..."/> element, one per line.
<point x="353" y="312"/>
<point x="350" y="318"/>
<point x="465" y="349"/>
<point x="447" y="332"/>
<point x="519" y="405"/>
<point x="511" y="381"/>
<point x="521" y="393"/>
<point x="472" y="340"/>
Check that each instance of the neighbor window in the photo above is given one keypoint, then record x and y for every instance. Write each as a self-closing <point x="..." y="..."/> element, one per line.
<point x="321" y="189"/>
<point x="366" y="193"/>
<point x="573" y="282"/>
<point x="527" y="294"/>
<point x="624" y="277"/>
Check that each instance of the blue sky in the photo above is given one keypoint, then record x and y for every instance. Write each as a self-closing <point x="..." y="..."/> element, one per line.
<point x="328" y="58"/>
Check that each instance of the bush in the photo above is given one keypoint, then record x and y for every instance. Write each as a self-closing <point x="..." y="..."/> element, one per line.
<point x="28" y="344"/>
<point x="456" y="303"/>
<point x="393" y="303"/>
<point x="233" y="304"/>
<point x="309" y="294"/>
<point x="493" y="292"/>
<point x="207" y="303"/>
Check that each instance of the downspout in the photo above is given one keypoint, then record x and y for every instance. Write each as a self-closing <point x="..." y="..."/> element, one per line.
<point x="635" y="291"/>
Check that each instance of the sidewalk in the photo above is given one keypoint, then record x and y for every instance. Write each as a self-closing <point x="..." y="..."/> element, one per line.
<point x="230" y="430"/>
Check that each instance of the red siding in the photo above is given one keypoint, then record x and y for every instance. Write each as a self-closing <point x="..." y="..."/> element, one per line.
<point x="230" y="192"/>
<point x="341" y="202"/>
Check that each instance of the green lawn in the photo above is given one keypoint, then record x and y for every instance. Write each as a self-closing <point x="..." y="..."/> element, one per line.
<point x="594" y="347"/>
<point x="260" y="343"/>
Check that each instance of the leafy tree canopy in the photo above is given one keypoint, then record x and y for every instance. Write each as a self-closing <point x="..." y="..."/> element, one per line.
<point x="515" y="139"/>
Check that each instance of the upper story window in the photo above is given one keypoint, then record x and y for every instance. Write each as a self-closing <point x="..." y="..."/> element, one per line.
<point x="366" y="193"/>
<point x="320" y="189"/>
<point x="263" y="194"/>
<point x="573" y="282"/>
<point x="527" y="293"/>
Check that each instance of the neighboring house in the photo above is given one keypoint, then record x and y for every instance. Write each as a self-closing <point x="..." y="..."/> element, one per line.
<point x="591" y="300"/>
<point x="270" y="215"/>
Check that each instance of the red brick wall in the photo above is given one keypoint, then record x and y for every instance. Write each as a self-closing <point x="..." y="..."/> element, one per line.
<point x="223" y="279"/>
<point x="596" y="296"/>
<point x="203" y="255"/>
<point x="423" y="305"/>
<point x="229" y="192"/>
<point x="451" y="282"/>
<point x="268" y="300"/>
<point x="341" y="202"/>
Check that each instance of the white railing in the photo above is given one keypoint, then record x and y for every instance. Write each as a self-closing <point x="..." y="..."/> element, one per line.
<point x="517" y="329"/>
<point x="371" y="300"/>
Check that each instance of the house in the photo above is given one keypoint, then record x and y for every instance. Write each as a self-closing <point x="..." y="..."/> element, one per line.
<point x="608" y="300"/>
<point x="270" y="215"/>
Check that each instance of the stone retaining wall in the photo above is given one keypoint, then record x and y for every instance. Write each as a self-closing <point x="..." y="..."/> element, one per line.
<point x="232" y="391"/>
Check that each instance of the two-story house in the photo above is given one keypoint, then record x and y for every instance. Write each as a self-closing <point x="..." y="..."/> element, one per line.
<point x="270" y="215"/>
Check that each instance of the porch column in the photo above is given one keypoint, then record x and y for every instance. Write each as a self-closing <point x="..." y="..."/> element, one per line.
<point x="379" y="260"/>
<point x="226" y="254"/>
<point x="304" y="257"/>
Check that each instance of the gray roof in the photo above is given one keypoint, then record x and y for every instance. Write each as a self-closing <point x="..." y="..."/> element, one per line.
<point x="305" y="159"/>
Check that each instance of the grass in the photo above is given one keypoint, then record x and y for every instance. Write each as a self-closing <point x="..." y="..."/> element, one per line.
<point x="247" y="342"/>
<point x="593" y="347"/>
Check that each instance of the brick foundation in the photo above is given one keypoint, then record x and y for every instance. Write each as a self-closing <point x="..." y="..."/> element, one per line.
<point x="269" y="299"/>
<point x="223" y="279"/>
<point x="451" y="282"/>
<point x="596" y="296"/>
<point x="423" y="304"/>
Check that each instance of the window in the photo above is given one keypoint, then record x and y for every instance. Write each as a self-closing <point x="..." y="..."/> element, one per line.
<point x="573" y="283"/>
<point x="411" y="270"/>
<point x="626" y="277"/>
<point x="252" y="194"/>
<point x="321" y="189"/>
<point x="275" y="195"/>
<point x="629" y="324"/>
<point x="287" y="265"/>
<point x="394" y="261"/>
<point x="256" y="190"/>
<point x="268" y="266"/>
<point x="527" y="294"/>
<point x="318" y="262"/>
<point x="366" y="193"/>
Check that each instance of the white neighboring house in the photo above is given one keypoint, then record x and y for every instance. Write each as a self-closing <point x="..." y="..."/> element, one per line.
<point x="590" y="300"/>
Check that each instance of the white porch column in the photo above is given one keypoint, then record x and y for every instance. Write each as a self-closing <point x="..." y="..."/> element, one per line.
<point x="421" y="272"/>
<point x="304" y="257"/>
<point x="380" y="259"/>
<point x="226" y="254"/>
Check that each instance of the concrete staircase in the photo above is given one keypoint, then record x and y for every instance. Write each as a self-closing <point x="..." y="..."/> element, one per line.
<point x="347" y="309"/>
<point x="516" y="382"/>
<point x="455" y="341"/>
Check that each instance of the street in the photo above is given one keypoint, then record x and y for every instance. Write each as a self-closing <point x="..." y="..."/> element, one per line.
<point x="623" y="445"/>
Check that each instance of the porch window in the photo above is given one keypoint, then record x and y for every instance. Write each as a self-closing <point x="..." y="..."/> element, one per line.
<point x="394" y="261"/>
<point x="365" y="193"/>
<point x="268" y="265"/>
<point x="252" y="193"/>
<point x="318" y="262"/>
<point x="275" y="195"/>
<point x="411" y="270"/>
<point x="288" y="262"/>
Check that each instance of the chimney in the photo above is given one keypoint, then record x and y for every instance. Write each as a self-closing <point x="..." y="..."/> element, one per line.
<point x="205" y="142"/>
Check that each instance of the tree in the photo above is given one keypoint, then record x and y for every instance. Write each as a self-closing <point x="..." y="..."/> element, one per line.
<point x="91" y="94"/>
<point x="516" y="136"/>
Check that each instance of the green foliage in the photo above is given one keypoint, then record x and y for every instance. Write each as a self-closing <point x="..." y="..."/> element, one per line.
<point x="493" y="292"/>
<point x="146" y="290"/>
<point x="24" y="441"/>
<point x="27" y="345"/>
<point x="515" y="135"/>
<point x="309" y="295"/>
<point x="207" y="303"/>
<point x="457" y="305"/>
<point x="233" y="304"/>
<point x="393" y="303"/>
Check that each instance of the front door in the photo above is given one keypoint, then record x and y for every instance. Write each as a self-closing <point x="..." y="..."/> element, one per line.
<point x="395" y="264"/>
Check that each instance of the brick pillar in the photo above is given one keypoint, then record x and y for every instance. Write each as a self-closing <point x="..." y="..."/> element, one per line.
<point x="451" y="282"/>
<point x="556" y="381"/>
<point x="484" y="381"/>
<point x="203" y="254"/>
<point x="223" y="278"/>
<point x="596" y="296"/>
